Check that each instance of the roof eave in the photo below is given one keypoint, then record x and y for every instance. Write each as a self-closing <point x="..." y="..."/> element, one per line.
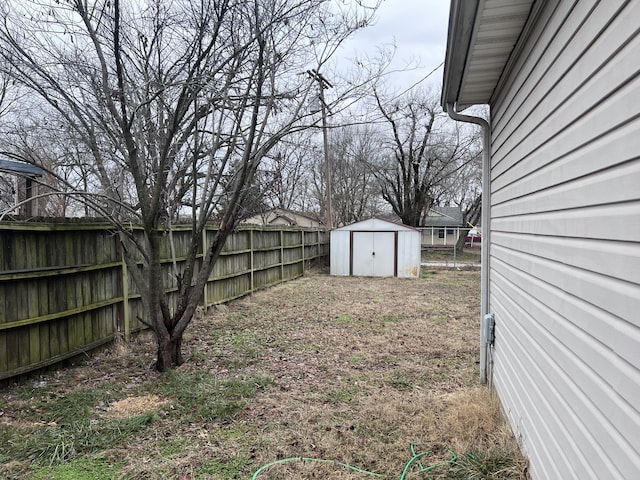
<point x="485" y="39"/>
<point x="462" y="15"/>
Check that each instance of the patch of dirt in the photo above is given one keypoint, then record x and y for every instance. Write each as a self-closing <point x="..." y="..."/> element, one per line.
<point x="134" y="406"/>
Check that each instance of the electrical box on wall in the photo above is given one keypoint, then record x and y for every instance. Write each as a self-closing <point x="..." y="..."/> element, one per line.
<point x="489" y="321"/>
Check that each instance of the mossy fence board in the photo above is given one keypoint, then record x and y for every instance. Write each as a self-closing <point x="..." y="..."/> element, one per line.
<point x="65" y="289"/>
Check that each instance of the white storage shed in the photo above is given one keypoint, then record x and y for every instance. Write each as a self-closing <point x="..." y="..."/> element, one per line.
<point x="375" y="248"/>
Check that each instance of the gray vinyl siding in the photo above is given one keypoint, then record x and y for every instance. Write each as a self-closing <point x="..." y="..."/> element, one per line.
<point x="565" y="232"/>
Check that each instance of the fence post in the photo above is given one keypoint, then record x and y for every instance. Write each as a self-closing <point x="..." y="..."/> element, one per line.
<point x="205" y="300"/>
<point x="125" y="299"/>
<point x="251" y="286"/>
<point x="302" y="241"/>
<point x="282" y="255"/>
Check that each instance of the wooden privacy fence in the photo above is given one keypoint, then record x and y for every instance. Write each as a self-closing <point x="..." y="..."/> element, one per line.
<point x="65" y="288"/>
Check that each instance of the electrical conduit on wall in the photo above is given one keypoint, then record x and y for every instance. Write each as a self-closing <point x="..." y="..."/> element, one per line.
<point x="486" y="227"/>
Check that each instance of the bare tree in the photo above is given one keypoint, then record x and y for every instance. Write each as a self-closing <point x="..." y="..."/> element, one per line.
<point x="464" y="188"/>
<point x="356" y="194"/>
<point x="9" y="181"/>
<point x="175" y="104"/>
<point x="285" y="174"/>
<point x="424" y="150"/>
<point x="42" y="141"/>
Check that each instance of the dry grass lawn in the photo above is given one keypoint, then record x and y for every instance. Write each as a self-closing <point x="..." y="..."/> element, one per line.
<point x="361" y="377"/>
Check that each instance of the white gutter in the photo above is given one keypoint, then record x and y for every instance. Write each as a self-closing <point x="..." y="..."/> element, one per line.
<point x="486" y="231"/>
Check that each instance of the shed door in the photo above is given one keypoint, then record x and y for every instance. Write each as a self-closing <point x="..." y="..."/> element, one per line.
<point x="373" y="254"/>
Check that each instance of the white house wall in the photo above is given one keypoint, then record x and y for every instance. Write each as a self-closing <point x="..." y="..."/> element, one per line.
<point x="565" y="253"/>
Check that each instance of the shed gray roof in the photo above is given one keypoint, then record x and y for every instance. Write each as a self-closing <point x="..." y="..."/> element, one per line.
<point x="483" y="34"/>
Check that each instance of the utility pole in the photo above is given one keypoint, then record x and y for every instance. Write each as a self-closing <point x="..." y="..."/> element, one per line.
<point x="323" y="84"/>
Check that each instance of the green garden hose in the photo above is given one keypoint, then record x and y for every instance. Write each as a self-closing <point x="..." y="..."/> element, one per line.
<point x="407" y="468"/>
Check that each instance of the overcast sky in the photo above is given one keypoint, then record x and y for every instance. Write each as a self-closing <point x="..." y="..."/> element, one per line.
<point x="418" y="28"/>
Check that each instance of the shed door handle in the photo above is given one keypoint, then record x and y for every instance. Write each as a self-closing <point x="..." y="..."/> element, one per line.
<point x="373" y="253"/>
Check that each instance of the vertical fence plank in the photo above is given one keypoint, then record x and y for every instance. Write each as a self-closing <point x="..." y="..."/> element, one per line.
<point x="34" y="345"/>
<point x="126" y="312"/>
<point x="4" y="351"/>
<point x="12" y="347"/>
<point x="75" y="331"/>
<point x="302" y="250"/>
<point x="3" y="319"/>
<point x="281" y="255"/>
<point x="252" y="267"/>
<point x="23" y="341"/>
<point x="205" y="293"/>
<point x="45" y="341"/>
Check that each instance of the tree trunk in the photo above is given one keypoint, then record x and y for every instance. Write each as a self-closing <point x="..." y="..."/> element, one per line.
<point x="473" y="213"/>
<point x="470" y="216"/>
<point x="462" y="239"/>
<point x="169" y="353"/>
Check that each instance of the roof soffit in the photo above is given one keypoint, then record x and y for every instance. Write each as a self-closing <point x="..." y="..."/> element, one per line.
<point x="485" y="37"/>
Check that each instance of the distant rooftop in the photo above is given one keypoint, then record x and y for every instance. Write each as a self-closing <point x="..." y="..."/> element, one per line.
<point x="20" y="168"/>
<point x="444" y="217"/>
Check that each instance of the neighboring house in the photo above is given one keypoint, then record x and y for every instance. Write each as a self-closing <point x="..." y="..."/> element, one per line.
<point x="25" y="185"/>
<point x="280" y="216"/>
<point x="561" y="222"/>
<point x="442" y="226"/>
